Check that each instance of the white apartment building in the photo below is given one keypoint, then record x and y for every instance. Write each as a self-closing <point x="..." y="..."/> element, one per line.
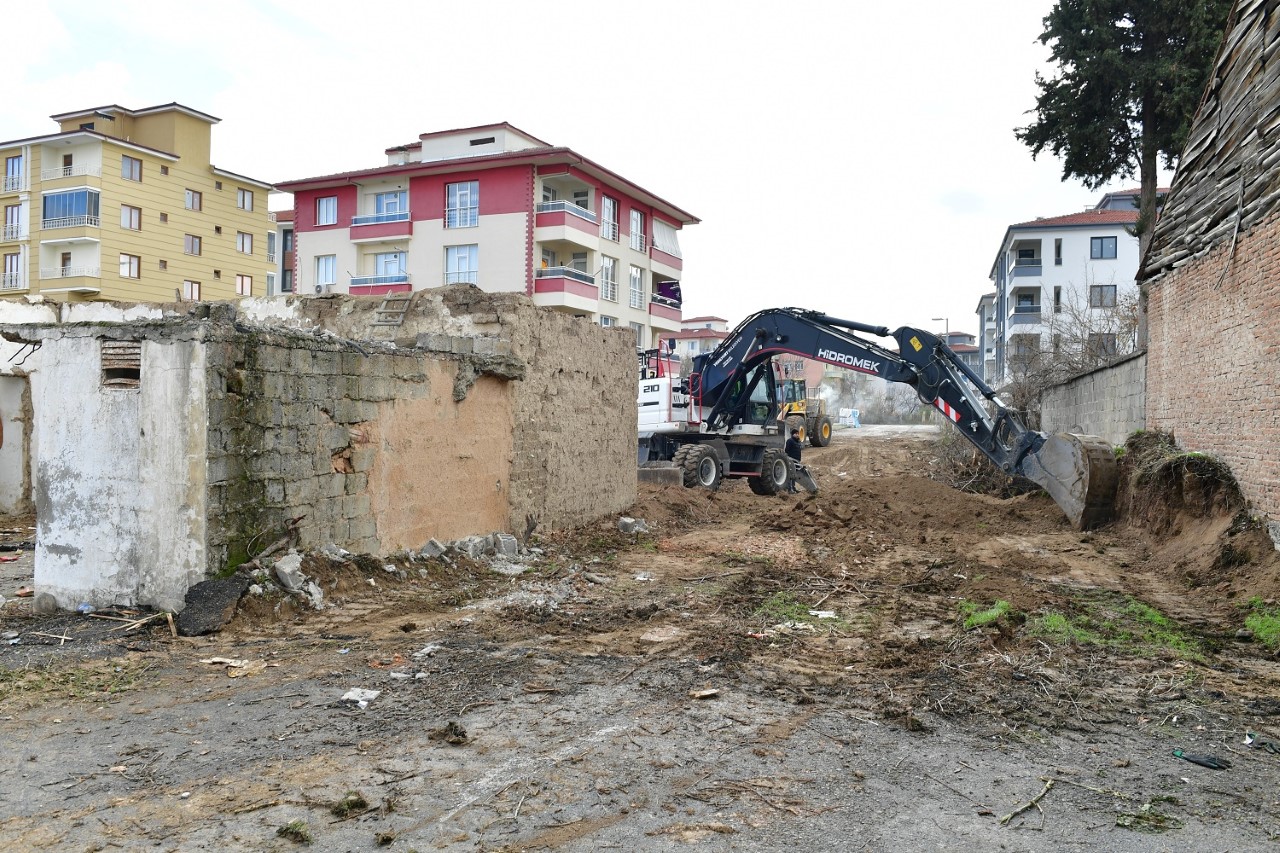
<point x="501" y="209"/>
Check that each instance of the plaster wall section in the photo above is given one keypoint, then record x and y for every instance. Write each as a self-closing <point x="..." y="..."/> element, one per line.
<point x="15" y="438"/>
<point x="119" y="494"/>
<point x="1109" y="402"/>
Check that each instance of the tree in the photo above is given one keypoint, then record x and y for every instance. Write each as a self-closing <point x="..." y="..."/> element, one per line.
<point x="1131" y="74"/>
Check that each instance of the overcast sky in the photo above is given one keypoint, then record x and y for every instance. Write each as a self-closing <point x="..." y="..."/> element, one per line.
<point x="852" y="157"/>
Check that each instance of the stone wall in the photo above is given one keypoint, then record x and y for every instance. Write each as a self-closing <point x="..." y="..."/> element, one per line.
<point x="1213" y="364"/>
<point x="1109" y="402"/>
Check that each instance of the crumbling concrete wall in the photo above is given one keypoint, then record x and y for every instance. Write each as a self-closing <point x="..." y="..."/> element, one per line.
<point x="1109" y="402"/>
<point x="15" y="445"/>
<point x="1213" y="374"/>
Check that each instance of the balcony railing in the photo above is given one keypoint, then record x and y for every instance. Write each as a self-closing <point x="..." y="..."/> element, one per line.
<point x="69" y="222"/>
<point x="271" y="217"/>
<point x="394" y="278"/>
<point x="1026" y="309"/>
<point x="609" y="231"/>
<point x="461" y="217"/>
<point x="14" y="232"/>
<point x="69" y="272"/>
<point x="637" y="242"/>
<point x="13" y="281"/>
<point x="565" y="272"/>
<point x="91" y="169"/>
<point x="462" y="277"/>
<point x="566" y="207"/>
<point x="15" y="183"/>
<point x="375" y="218"/>
<point x="271" y="257"/>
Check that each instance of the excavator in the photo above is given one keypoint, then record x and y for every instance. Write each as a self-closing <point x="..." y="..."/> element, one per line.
<point x="722" y="420"/>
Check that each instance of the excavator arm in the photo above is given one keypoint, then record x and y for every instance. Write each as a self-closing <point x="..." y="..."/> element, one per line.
<point x="1078" y="472"/>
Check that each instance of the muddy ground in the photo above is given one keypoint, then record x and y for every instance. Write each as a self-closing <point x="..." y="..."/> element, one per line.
<point x="786" y="673"/>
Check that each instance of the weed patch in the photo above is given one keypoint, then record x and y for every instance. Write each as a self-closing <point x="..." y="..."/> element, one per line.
<point x="1117" y="622"/>
<point x="80" y="682"/>
<point x="976" y="618"/>
<point x="1264" y="622"/>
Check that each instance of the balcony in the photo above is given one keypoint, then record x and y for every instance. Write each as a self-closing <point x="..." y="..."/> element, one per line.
<point x="13" y="281"/>
<point x="1022" y="314"/>
<point x="565" y="287"/>
<point x="93" y="170"/>
<point x="69" y="222"/>
<point x="69" y="272"/>
<point x="15" y="183"/>
<point x="366" y="280"/>
<point x="271" y="217"/>
<point x="569" y="208"/>
<point x="378" y="218"/>
<point x="1026" y="267"/>
<point x="13" y="232"/>
<point x="566" y="272"/>
<point x="462" y="277"/>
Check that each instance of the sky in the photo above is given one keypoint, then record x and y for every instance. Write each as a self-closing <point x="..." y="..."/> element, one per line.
<point x="852" y="157"/>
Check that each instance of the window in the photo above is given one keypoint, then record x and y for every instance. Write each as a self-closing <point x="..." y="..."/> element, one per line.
<point x="1101" y="345"/>
<point x="606" y="322"/>
<point x="217" y="185"/>
<point x="130" y="266"/>
<point x="608" y="278"/>
<point x="217" y="229"/>
<point x="1057" y="252"/>
<point x="13" y="174"/>
<point x="217" y="275"/>
<point x="326" y="269"/>
<point x="389" y="264"/>
<point x="164" y="217"/>
<point x="12" y="221"/>
<point x="462" y="204"/>
<point x="286" y="281"/>
<point x="244" y="199"/>
<point x="1057" y="299"/>
<point x="638" y="328"/>
<point x="194" y="200"/>
<point x="271" y="283"/>
<point x="130" y="168"/>
<point x="271" y="247"/>
<point x="391" y="206"/>
<point x="637" y="287"/>
<point x="609" y="218"/>
<point x="121" y="364"/>
<point x="191" y="290"/>
<point x="637" y="230"/>
<point x="164" y="265"/>
<point x="190" y="244"/>
<point x="1102" y="248"/>
<point x="12" y="270"/>
<point x="1102" y="296"/>
<point x="244" y="243"/>
<point x="286" y="241"/>
<point x="67" y="209"/>
<point x="327" y="210"/>
<point x="130" y="217"/>
<point x="461" y="263"/>
<point x="244" y="285"/>
<point x="164" y="170"/>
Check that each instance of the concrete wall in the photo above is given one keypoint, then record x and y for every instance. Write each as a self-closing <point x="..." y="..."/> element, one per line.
<point x="1213" y="369"/>
<point x="15" y="438"/>
<point x="1108" y="402"/>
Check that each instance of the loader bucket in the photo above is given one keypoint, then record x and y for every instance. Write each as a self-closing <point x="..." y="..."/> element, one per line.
<point x="1079" y="472"/>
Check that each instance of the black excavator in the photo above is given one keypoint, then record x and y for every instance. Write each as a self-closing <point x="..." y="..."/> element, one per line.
<point x="722" y="419"/>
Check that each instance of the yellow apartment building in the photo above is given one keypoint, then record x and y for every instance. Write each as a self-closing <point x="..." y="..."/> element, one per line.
<point x="124" y="204"/>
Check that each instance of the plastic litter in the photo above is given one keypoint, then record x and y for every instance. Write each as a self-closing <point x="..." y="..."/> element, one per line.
<point x="360" y="697"/>
<point x="1210" y="761"/>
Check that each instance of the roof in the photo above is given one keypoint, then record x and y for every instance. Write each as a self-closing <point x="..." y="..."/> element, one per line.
<point x="1082" y="219"/>
<point x="244" y="178"/>
<point x="68" y="134"/>
<point x="692" y="334"/>
<point x="700" y="319"/>
<point x="172" y="106"/>
<point x="526" y="156"/>
<point x="962" y="347"/>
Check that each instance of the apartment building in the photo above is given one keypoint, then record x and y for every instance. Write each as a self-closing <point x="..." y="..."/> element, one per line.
<point x="698" y="335"/>
<point x="501" y="209"/>
<point x="283" y="284"/>
<point x="124" y="204"/>
<point x="1064" y="290"/>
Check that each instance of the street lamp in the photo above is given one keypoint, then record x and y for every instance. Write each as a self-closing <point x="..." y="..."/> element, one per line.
<point x="947" y="334"/>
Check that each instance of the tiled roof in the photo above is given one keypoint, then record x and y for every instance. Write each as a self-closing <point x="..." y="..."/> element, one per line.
<point x="1087" y="217"/>
<point x="688" y="320"/>
<point x="696" y="333"/>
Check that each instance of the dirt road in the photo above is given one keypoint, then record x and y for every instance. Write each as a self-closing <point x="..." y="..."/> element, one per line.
<point x="788" y="673"/>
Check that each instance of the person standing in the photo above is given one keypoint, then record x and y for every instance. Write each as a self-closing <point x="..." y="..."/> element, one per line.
<point x="793" y="449"/>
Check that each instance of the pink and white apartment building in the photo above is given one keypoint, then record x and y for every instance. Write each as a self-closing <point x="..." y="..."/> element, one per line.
<point x="500" y="209"/>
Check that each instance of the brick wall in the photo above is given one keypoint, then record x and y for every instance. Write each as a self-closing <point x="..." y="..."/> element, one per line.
<point x="1109" y="402"/>
<point x="1213" y="364"/>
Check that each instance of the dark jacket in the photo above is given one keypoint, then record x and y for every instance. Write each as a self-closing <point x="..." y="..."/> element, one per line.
<point x="793" y="448"/>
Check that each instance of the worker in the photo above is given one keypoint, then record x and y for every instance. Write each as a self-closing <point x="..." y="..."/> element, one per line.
<point x="793" y="449"/>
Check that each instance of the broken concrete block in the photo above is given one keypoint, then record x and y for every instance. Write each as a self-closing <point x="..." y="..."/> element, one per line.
<point x="433" y="548"/>
<point x="289" y="571"/>
<point x="210" y="605"/>
<point x="632" y="525"/>
<point x="502" y="567"/>
<point x="506" y="545"/>
<point x="314" y="594"/>
<point x="472" y="546"/>
<point x="333" y="552"/>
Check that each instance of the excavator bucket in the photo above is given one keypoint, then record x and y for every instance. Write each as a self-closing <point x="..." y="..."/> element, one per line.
<point x="1079" y="472"/>
<point x="805" y="478"/>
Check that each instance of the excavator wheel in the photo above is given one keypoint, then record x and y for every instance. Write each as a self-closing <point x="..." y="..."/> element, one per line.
<point x="796" y="422"/>
<point x="698" y="465"/>
<point x="774" y="474"/>
<point x="821" y="435"/>
<point x="1080" y="473"/>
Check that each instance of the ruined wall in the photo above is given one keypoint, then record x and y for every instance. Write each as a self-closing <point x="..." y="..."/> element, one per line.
<point x="369" y="446"/>
<point x="1213" y="363"/>
<point x="15" y="438"/>
<point x="1109" y="402"/>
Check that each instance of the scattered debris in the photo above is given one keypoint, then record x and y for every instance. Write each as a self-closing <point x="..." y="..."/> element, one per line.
<point x="1210" y="761"/>
<point x="289" y="571"/>
<point x="632" y="525"/>
<point x="823" y="614"/>
<point x="428" y="651"/>
<point x="705" y="693"/>
<point x="24" y="592"/>
<point x="238" y="667"/>
<point x="295" y="830"/>
<point x="1034" y="802"/>
<point x="1252" y="741"/>
<point x="209" y="605"/>
<point x="360" y="697"/>
<point x="451" y="733"/>
<point x="351" y="805"/>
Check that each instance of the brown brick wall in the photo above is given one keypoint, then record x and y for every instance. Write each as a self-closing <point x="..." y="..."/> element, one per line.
<point x="1213" y="361"/>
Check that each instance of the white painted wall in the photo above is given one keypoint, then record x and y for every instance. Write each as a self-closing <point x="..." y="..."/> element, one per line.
<point x="14" y="493"/>
<point x="121" y="476"/>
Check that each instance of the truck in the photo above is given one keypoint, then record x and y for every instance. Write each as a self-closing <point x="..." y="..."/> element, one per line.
<point x="723" y="420"/>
